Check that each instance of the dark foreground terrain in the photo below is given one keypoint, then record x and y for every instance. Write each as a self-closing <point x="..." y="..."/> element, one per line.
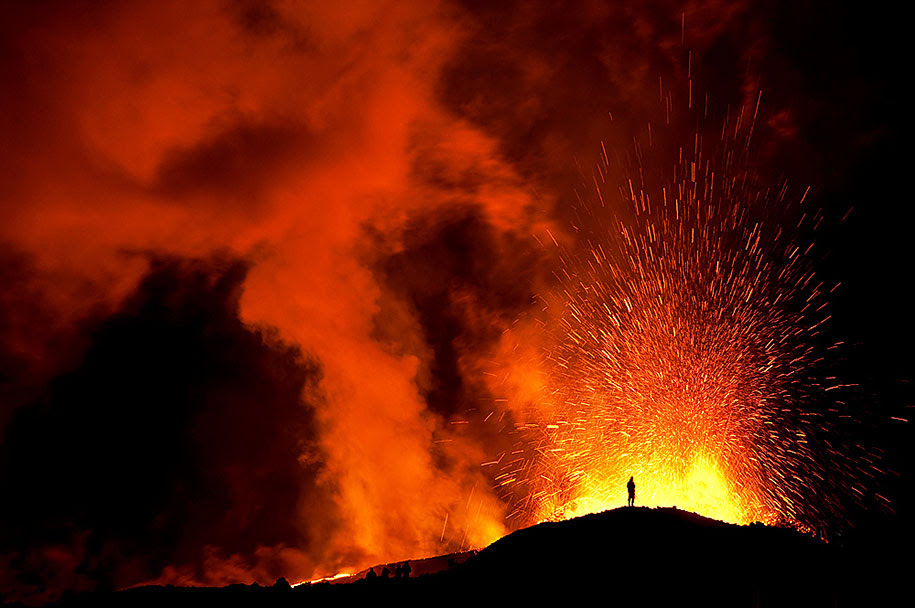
<point x="624" y="557"/>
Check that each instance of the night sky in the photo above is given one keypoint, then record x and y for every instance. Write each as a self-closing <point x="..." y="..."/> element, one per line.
<point x="258" y="260"/>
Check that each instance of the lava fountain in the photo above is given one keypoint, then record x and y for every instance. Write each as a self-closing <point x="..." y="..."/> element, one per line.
<point x="680" y="347"/>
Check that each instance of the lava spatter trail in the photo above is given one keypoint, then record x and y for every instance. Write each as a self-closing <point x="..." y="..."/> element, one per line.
<point x="681" y="350"/>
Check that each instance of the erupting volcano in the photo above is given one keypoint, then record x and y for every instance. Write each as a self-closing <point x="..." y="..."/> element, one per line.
<point x="290" y="289"/>
<point x="681" y="349"/>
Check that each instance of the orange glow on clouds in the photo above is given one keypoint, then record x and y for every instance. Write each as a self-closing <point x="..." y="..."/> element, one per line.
<point x="397" y="182"/>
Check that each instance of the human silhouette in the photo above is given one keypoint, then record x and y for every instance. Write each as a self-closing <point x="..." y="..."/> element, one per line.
<point x="385" y="574"/>
<point x="405" y="570"/>
<point x="631" y="487"/>
<point x="370" y="575"/>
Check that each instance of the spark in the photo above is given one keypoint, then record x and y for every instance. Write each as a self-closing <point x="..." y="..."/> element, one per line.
<point x="684" y="354"/>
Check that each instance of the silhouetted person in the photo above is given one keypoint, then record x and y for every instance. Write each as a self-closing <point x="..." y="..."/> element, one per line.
<point x="370" y="575"/>
<point x="385" y="574"/>
<point x="631" y="487"/>
<point x="405" y="570"/>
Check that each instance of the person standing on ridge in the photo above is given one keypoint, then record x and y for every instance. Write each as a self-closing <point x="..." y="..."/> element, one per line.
<point x="631" y="487"/>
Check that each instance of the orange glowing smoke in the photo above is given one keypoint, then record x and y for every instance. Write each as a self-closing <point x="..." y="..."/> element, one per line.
<point x="681" y="354"/>
<point x="278" y="135"/>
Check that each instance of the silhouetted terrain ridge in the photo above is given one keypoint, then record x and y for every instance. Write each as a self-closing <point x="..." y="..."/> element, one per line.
<point x="624" y="557"/>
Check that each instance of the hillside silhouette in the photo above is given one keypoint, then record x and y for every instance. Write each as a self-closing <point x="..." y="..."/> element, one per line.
<point x="624" y="557"/>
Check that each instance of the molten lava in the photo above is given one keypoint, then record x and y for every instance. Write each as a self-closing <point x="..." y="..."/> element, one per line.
<point x="704" y="489"/>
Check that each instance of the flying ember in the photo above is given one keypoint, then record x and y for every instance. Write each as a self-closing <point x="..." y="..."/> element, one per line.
<point x="680" y="347"/>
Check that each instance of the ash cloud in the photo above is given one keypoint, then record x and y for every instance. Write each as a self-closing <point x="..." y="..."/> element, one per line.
<point x="237" y="162"/>
<point x="465" y="283"/>
<point x="180" y="428"/>
<point x="281" y="136"/>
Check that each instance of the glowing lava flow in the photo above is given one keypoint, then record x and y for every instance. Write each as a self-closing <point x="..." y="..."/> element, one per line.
<point x="680" y="353"/>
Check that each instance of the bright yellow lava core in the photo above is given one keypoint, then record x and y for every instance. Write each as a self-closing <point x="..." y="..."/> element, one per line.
<point x="702" y="488"/>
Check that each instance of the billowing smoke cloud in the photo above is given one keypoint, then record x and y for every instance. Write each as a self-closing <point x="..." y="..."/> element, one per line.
<point x="263" y="264"/>
<point x="309" y="142"/>
<point x="182" y="435"/>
